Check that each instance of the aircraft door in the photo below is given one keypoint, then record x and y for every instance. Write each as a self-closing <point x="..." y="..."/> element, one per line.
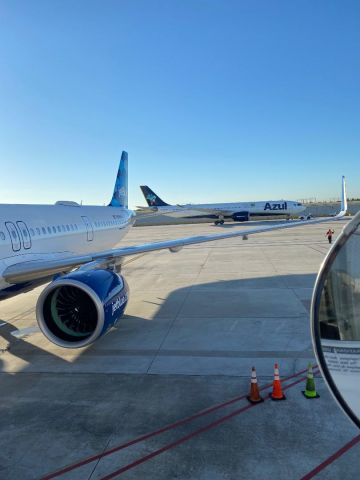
<point x="25" y="235"/>
<point x="14" y="235"/>
<point x="89" y="229"/>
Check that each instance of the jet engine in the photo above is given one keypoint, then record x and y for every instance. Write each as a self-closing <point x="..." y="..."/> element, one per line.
<point x="78" y="308"/>
<point x="241" y="216"/>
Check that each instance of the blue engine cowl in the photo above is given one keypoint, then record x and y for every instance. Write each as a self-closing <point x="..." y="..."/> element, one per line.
<point x="76" y="309"/>
<point x="241" y="216"/>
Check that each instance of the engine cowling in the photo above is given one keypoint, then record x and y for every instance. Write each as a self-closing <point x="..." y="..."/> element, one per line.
<point x="241" y="216"/>
<point x="77" y="309"/>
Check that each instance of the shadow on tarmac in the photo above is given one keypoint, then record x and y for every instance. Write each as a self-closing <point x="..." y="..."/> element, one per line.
<point x="79" y="414"/>
<point x="131" y="326"/>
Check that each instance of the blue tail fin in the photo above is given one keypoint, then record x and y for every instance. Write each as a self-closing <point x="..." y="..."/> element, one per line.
<point x="120" y="195"/>
<point x="152" y="199"/>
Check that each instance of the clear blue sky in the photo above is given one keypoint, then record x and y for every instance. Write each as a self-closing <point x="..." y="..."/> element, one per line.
<point x="214" y="100"/>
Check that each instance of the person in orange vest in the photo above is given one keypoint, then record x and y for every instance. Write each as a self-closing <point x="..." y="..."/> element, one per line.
<point x="329" y="234"/>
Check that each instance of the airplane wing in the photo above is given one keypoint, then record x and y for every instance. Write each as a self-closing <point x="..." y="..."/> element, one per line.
<point x="30" y="270"/>
<point x="197" y="208"/>
<point x="215" y="211"/>
<point x="162" y="210"/>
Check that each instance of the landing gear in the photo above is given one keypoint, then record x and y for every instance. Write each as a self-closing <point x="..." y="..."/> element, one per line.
<point x="219" y="222"/>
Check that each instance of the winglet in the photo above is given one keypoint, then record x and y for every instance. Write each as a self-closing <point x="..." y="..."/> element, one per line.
<point x="343" y="196"/>
<point x="344" y="207"/>
<point x="120" y="195"/>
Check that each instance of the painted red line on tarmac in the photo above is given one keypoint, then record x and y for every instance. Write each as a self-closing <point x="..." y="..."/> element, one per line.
<point x="331" y="459"/>
<point x="181" y="440"/>
<point x="154" y="433"/>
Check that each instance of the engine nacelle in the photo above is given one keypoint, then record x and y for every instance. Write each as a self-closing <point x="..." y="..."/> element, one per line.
<point x="241" y="216"/>
<point x="76" y="309"/>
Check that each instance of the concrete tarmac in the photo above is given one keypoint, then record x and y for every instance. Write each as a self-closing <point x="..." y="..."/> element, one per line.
<point x="196" y="323"/>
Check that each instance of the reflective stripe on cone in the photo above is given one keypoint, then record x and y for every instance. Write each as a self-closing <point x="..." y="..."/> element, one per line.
<point x="277" y="393"/>
<point x="254" y="396"/>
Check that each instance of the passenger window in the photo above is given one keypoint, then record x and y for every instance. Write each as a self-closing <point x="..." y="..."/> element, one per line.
<point x="68" y="228"/>
<point x="2" y="235"/>
<point x="76" y="227"/>
<point x="72" y="227"/>
<point x="32" y="233"/>
<point x="43" y="230"/>
<point x="49" y="229"/>
<point x="38" y="230"/>
<point x="63" y="228"/>
<point x="54" y="229"/>
<point x="58" y="228"/>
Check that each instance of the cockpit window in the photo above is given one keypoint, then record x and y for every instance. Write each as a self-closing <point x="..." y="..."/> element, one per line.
<point x="2" y="235"/>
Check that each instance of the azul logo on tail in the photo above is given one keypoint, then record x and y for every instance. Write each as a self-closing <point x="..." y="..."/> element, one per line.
<point x="151" y="197"/>
<point x="275" y="206"/>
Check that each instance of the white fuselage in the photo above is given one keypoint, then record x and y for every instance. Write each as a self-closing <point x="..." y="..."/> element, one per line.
<point x="263" y="208"/>
<point x="33" y="232"/>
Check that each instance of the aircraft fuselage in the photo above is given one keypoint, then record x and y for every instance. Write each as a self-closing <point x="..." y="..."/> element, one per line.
<point x="32" y="232"/>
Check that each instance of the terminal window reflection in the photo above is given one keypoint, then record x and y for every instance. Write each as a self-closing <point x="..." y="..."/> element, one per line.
<point x="340" y="300"/>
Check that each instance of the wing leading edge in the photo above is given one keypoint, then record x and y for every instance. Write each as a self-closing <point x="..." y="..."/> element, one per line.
<point x="26" y="271"/>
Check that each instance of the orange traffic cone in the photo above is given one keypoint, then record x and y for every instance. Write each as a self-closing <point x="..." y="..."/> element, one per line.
<point x="254" y="396"/>
<point x="277" y="393"/>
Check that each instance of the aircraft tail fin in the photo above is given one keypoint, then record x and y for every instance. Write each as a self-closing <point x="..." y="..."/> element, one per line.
<point x="152" y="199"/>
<point x="120" y="195"/>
